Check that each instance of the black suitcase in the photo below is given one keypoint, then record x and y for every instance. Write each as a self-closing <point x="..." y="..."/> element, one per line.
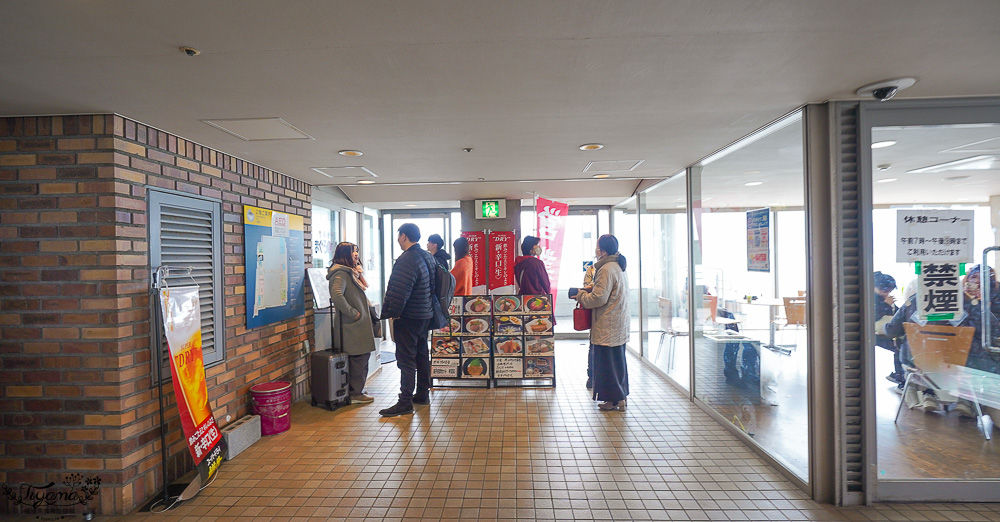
<point x="328" y="379"/>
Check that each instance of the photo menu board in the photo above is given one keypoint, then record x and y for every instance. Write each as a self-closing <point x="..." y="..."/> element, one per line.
<point x="523" y="342"/>
<point x="496" y="337"/>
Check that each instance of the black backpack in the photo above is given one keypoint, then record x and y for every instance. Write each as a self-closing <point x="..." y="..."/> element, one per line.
<point x="442" y="290"/>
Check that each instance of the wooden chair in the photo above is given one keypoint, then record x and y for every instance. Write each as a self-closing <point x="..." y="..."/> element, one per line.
<point x="712" y="303"/>
<point x="938" y="352"/>
<point x="667" y="325"/>
<point x="795" y="316"/>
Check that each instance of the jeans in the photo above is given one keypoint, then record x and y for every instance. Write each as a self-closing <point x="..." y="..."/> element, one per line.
<point x="412" y="357"/>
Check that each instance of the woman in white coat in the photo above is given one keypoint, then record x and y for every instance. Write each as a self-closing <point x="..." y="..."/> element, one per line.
<point x="609" y="332"/>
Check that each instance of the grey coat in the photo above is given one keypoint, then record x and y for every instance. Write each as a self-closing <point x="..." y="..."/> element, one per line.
<point x="350" y="302"/>
<point x="609" y="300"/>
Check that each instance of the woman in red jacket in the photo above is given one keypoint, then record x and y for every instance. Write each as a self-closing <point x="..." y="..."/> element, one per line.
<point x="529" y="271"/>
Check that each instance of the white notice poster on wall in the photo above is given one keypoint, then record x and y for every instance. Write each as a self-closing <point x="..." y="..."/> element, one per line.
<point x="934" y="235"/>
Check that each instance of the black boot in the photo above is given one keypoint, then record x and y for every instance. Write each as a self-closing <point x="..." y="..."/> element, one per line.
<point x="422" y="397"/>
<point x="397" y="409"/>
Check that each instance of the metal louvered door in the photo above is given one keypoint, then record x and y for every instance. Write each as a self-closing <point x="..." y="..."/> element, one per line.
<point x="187" y="232"/>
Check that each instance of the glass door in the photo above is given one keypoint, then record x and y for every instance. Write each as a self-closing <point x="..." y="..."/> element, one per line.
<point x="935" y="389"/>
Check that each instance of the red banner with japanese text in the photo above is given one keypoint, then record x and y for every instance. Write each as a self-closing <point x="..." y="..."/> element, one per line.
<point x="502" y="248"/>
<point x="551" y="228"/>
<point x="182" y="325"/>
<point x="477" y="251"/>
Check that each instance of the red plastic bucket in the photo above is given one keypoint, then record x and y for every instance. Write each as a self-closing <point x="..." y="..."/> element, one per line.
<point x="273" y="402"/>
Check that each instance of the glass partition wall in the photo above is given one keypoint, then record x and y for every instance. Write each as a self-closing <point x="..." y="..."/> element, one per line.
<point x="747" y="303"/>
<point x="663" y="221"/>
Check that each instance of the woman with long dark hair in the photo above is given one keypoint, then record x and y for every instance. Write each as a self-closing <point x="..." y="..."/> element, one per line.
<point x="463" y="267"/>
<point x="610" y="326"/>
<point x="352" y="324"/>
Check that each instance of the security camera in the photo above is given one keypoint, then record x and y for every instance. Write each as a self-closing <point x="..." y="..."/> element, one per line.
<point x="190" y="51"/>
<point x="885" y="93"/>
<point x="885" y="89"/>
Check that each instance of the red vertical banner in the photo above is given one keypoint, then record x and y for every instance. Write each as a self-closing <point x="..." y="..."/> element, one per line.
<point x="477" y="251"/>
<point x="502" y="263"/>
<point x="181" y="310"/>
<point x="551" y="228"/>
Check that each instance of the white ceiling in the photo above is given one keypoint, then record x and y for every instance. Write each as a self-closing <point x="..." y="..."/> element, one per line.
<point x="521" y="82"/>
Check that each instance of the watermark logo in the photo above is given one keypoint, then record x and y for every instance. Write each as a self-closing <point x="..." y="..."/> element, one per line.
<point x="75" y="490"/>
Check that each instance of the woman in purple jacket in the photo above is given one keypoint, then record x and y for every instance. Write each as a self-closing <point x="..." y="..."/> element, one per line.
<point x="529" y="271"/>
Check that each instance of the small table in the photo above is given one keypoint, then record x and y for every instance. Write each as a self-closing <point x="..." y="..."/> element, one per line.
<point x="773" y="304"/>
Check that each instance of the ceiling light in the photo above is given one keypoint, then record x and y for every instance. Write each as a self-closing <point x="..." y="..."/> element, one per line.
<point x="352" y="153"/>
<point x="955" y="178"/>
<point x="886" y="180"/>
<point x="883" y="144"/>
<point x="602" y="176"/>
<point x="973" y="163"/>
<point x="592" y="146"/>
<point x="751" y="172"/>
<point x="365" y="182"/>
<point x="411" y="204"/>
<point x="753" y="183"/>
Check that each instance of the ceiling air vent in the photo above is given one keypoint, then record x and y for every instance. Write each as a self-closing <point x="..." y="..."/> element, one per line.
<point x="259" y="129"/>
<point x="613" y="166"/>
<point x="346" y="173"/>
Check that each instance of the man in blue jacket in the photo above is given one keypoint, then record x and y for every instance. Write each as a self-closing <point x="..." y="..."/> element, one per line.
<point x="408" y="299"/>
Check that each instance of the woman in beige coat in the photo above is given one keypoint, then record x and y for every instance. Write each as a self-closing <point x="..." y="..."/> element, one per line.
<point x="610" y="327"/>
<point x="352" y="324"/>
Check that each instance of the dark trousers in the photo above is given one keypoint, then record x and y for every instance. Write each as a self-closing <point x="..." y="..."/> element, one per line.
<point x="357" y="370"/>
<point x="412" y="358"/>
<point x="610" y="373"/>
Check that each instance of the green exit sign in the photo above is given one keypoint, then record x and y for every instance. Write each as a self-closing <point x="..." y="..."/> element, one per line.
<point x="491" y="208"/>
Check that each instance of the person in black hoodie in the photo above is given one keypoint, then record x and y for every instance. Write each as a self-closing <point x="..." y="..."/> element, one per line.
<point x="885" y="308"/>
<point x="435" y="246"/>
<point x="408" y="299"/>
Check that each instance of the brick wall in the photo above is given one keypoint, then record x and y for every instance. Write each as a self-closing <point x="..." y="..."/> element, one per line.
<point x="79" y="394"/>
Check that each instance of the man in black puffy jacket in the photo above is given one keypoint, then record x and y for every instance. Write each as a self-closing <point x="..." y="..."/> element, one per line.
<point x="408" y="299"/>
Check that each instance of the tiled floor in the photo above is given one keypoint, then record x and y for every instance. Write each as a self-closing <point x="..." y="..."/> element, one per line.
<point x="524" y="454"/>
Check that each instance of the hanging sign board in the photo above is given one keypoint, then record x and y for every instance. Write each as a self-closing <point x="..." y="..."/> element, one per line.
<point x="182" y="326"/>
<point x="939" y="291"/>
<point x="934" y="235"/>
<point x="275" y="265"/>
<point x="477" y="251"/>
<point x="551" y="229"/>
<point x="502" y="245"/>
<point x="759" y="240"/>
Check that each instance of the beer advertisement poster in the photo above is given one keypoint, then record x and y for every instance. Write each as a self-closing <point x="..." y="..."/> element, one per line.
<point x="182" y="325"/>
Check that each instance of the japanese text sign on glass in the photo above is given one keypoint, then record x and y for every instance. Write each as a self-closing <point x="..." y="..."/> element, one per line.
<point x="934" y="235"/>
<point x="939" y="291"/>
<point x="759" y="240"/>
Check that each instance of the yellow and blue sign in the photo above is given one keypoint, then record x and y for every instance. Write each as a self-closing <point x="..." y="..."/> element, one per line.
<point x="275" y="265"/>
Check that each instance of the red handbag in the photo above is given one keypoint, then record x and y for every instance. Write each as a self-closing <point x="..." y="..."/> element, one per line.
<point x="582" y="318"/>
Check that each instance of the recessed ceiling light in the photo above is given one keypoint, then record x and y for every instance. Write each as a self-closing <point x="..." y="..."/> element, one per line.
<point x="680" y="206"/>
<point x="883" y="144"/>
<point x="973" y="163"/>
<point x="602" y="176"/>
<point x="886" y="180"/>
<point x="352" y="153"/>
<point x="411" y="204"/>
<point x="751" y="172"/>
<point x="592" y="146"/>
<point x="753" y="183"/>
<point x="365" y="182"/>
